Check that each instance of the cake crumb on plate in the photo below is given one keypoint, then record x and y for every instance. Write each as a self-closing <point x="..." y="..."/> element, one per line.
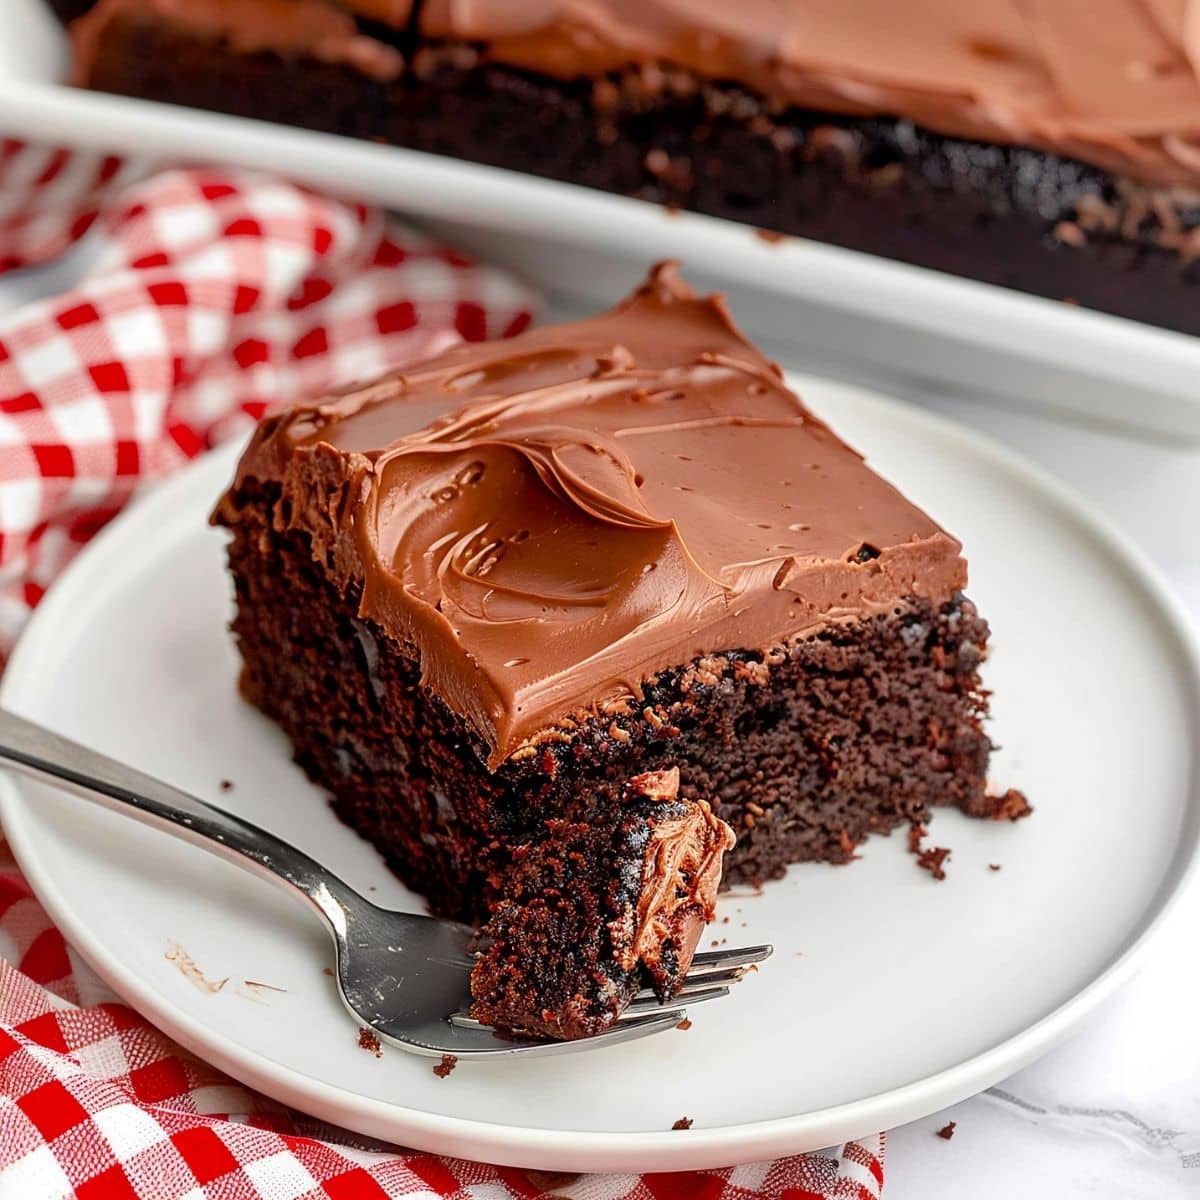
<point x="368" y="1039"/>
<point x="932" y="860"/>
<point x="1008" y="806"/>
<point x="929" y="858"/>
<point x="190" y="971"/>
<point x="270" y="987"/>
<point x="683" y="1123"/>
<point x="448" y="1063"/>
<point x="947" y="1131"/>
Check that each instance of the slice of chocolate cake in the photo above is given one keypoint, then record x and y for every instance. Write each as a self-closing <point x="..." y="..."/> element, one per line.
<point x="529" y="609"/>
<point x="1043" y="146"/>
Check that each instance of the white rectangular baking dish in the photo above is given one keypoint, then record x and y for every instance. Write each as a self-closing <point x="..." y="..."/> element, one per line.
<point x="831" y="308"/>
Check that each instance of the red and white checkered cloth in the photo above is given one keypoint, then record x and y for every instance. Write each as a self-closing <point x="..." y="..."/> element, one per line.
<point x="206" y="295"/>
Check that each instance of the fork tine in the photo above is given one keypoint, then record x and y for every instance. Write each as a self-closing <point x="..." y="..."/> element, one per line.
<point x="742" y="957"/>
<point x="471" y="1042"/>
<point x="637" y="1025"/>
<point x="464" y="1020"/>
<point x="642" y="1003"/>
<point x="634" y="1027"/>
<point x="649" y="1002"/>
<point x="708" y="979"/>
<point x="696" y="983"/>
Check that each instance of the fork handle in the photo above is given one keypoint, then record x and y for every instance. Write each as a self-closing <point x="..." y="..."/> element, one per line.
<point x="36" y="751"/>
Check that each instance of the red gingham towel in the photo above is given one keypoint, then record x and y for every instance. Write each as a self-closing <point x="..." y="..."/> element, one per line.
<point x="206" y="295"/>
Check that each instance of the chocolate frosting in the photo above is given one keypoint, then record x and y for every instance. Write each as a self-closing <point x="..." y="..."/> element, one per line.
<point x="550" y="520"/>
<point x="1113" y="82"/>
<point x="680" y="876"/>
<point x="316" y="29"/>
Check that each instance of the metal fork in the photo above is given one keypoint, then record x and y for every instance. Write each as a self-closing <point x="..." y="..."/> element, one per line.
<point x="403" y="975"/>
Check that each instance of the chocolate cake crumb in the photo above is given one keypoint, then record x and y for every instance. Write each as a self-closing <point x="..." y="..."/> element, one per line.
<point x="771" y="236"/>
<point x="368" y="1039"/>
<point x="685" y="1024"/>
<point x="993" y="866"/>
<point x="683" y="1123"/>
<point x="931" y="860"/>
<point x="327" y="971"/>
<point x="227" y="785"/>
<point x="947" y="1131"/>
<point x="1011" y="806"/>
<point x="448" y="1063"/>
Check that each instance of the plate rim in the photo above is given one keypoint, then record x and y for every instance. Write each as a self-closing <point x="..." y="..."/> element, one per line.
<point x="575" y="1150"/>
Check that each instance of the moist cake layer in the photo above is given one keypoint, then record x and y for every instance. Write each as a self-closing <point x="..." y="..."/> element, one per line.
<point x="552" y="519"/>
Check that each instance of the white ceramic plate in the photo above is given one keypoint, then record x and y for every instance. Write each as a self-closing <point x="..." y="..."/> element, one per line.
<point x="841" y="307"/>
<point x="889" y="995"/>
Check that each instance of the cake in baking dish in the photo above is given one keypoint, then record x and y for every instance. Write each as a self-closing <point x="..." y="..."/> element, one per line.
<point x="1043" y="146"/>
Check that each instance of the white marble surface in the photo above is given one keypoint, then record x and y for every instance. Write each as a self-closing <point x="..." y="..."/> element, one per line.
<point x="1114" y="1113"/>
